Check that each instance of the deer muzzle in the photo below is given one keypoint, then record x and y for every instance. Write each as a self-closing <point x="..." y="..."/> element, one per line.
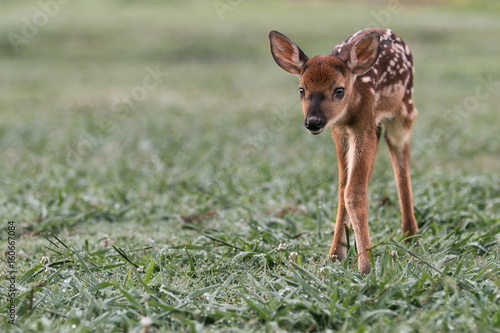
<point x="315" y="124"/>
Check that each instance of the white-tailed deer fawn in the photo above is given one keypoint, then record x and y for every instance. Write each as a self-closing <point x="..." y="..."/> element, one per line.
<point x="365" y="83"/>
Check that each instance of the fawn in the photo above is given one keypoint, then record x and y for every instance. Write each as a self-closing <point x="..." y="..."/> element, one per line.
<point x="367" y="81"/>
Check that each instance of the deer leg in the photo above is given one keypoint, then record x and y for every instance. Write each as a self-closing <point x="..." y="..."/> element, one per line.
<point x="398" y="139"/>
<point x="338" y="250"/>
<point x="361" y="156"/>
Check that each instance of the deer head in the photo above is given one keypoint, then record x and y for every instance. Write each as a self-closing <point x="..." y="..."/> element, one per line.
<point x="326" y="82"/>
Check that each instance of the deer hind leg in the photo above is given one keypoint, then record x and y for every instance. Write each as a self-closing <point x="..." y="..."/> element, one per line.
<point x="397" y="135"/>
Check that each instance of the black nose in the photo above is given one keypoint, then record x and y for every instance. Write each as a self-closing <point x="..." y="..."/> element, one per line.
<point x="314" y="123"/>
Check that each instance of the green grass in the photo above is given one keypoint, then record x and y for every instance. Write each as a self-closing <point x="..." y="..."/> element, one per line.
<point x="187" y="206"/>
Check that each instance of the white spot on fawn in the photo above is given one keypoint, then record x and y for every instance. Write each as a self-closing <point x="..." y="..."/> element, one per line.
<point x="388" y="34"/>
<point x="366" y="79"/>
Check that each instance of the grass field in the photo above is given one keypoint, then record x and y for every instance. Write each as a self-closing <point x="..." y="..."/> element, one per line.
<point x="154" y="160"/>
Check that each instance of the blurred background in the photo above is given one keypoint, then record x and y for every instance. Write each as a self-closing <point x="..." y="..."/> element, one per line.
<point x="109" y="103"/>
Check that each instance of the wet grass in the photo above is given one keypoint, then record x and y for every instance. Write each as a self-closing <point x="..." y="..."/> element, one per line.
<point x="195" y="198"/>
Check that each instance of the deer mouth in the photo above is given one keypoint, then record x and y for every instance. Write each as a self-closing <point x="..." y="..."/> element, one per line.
<point x="316" y="132"/>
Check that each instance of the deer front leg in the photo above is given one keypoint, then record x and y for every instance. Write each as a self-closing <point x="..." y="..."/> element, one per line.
<point x="338" y="250"/>
<point x="361" y="155"/>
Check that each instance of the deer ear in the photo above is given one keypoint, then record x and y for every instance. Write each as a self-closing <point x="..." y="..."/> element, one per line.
<point x="364" y="53"/>
<point x="286" y="54"/>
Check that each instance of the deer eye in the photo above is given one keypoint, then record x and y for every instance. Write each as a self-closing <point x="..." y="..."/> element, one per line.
<point x="339" y="92"/>
<point x="302" y="92"/>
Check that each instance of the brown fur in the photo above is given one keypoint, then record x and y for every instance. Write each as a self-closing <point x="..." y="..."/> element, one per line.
<point x="365" y="83"/>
